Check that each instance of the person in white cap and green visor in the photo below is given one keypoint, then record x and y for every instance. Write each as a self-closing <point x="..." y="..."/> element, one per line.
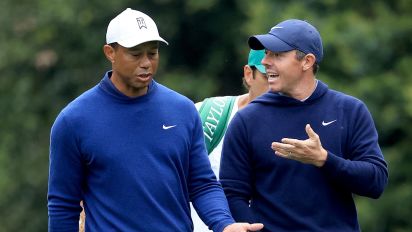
<point x="131" y="149"/>
<point x="216" y="113"/>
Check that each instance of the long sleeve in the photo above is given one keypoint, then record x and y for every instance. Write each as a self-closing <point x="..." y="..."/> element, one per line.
<point x="205" y="191"/>
<point x="363" y="171"/>
<point x="65" y="177"/>
<point x="235" y="172"/>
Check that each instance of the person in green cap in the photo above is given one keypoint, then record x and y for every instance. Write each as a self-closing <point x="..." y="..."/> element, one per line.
<point x="216" y="113"/>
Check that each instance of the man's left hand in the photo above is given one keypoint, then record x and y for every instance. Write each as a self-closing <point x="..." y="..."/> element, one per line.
<point x="243" y="227"/>
<point x="309" y="151"/>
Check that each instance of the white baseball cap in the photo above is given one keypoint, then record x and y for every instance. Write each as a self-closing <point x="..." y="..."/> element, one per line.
<point x="131" y="28"/>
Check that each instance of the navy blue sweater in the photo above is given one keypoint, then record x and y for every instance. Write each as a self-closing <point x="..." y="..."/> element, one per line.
<point x="287" y="195"/>
<point x="136" y="163"/>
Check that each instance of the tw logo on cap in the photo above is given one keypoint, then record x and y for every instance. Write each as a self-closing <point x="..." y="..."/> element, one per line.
<point x="141" y="23"/>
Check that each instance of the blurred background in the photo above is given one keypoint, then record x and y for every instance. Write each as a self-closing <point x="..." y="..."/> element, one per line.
<point x="51" y="51"/>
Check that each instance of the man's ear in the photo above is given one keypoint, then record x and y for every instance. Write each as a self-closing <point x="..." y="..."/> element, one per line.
<point x="109" y="52"/>
<point x="248" y="74"/>
<point x="309" y="61"/>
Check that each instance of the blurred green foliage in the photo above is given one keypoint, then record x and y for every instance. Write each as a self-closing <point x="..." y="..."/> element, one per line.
<point x="51" y="51"/>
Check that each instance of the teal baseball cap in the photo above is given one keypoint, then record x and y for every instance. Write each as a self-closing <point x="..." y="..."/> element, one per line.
<point x="255" y="59"/>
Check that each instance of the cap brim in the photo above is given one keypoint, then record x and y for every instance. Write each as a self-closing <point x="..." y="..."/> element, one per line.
<point x="261" y="68"/>
<point x="268" y="42"/>
<point x="134" y="43"/>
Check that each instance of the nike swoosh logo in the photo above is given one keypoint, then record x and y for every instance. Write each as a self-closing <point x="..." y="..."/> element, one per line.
<point x="276" y="27"/>
<point x="327" y="123"/>
<point x="167" y="127"/>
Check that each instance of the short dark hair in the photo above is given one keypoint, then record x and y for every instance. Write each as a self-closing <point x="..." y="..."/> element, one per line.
<point x="114" y="45"/>
<point x="300" y="55"/>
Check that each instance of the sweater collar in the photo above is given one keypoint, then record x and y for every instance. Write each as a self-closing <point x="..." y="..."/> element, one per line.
<point x="273" y="98"/>
<point x="108" y="87"/>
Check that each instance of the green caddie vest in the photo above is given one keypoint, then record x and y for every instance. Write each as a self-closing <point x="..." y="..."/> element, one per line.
<point x="215" y="113"/>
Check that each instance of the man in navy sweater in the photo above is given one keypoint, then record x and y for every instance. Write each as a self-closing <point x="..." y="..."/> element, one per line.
<point x="293" y="158"/>
<point x="131" y="149"/>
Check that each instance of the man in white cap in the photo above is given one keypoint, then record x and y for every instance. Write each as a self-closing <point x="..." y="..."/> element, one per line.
<point x="295" y="156"/>
<point x="131" y="149"/>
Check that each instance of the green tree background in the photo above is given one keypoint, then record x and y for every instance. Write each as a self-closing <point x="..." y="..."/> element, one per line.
<point x="51" y="51"/>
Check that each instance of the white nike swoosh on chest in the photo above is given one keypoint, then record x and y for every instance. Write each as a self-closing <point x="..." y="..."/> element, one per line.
<point x="327" y="123"/>
<point x="168" y="127"/>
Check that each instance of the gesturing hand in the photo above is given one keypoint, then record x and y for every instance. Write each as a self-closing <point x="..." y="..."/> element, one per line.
<point x="243" y="227"/>
<point x="309" y="151"/>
